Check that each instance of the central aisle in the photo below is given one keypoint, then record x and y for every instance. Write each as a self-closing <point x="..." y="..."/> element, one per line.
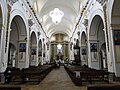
<point x="56" y="80"/>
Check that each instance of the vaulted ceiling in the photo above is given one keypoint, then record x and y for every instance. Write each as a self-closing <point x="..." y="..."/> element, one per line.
<point x="71" y="9"/>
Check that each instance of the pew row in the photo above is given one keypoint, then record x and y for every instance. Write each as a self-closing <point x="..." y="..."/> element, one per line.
<point x="10" y="87"/>
<point x="104" y="87"/>
<point x="31" y="74"/>
<point x="80" y="74"/>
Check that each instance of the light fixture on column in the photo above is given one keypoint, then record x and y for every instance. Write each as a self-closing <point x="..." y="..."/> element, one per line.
<point x="56" y="15"/>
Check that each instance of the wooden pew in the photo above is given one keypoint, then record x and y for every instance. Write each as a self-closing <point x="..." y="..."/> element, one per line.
<point x="31" y="74"/>
<point x="17" y="75"/>
<point x="37" y="74"/>
<point x="103" y="87"/>
<point x="9" y="87"/>
<point x="94" y="75"/>
<point x="80" y="74"/>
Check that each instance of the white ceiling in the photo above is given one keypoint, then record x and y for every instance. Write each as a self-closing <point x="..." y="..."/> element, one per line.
<point x="71" y="9"/>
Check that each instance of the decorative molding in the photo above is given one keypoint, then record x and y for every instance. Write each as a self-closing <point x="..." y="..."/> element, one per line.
<point x="78" y="33"/>
<point x="38" y="33"/>
<point x="35" y="15"/>
<point x="31" y="22"/>
<point x="81" y="15"/>
<point x="11" y="2"/>
<point x="85" y="22"/>
<point x="102" y="2"/>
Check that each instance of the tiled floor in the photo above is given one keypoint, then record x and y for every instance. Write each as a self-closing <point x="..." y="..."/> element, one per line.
<point x="56" y="80"/>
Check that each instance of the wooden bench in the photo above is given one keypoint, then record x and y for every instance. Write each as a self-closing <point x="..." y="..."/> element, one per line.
<point x="9" y="87"/>
<point x="31" y="74"/>
<point x="103" y="87"/>
<point x="94" y="75"/>
<point x="80" y="74"/>
<point x="17" y="75"/>
<point x="37" y="74"/>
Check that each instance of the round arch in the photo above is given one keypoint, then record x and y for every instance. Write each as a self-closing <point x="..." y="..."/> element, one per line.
<point x="15" y="13"/>
<point x="114" y="16"/>
<point x="22" y="56"/>
<point x="95" y="26"/>
<point x="40" y="51"/>
<point x="44" y="53"/>
<point x="96" y="40"/>
<point x="33" y="38"/>
<point x="115" y="13"/>
<point x="17" y="39"/>
<point x="83" y="48"/>
<point x="51" y="32"/>
<point x="83" y="38"/>
<point x="97" y="12"/>
<point x="33" y="49"/>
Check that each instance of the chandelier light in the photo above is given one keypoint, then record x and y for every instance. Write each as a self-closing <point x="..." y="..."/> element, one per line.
<point x="56" y="15"/>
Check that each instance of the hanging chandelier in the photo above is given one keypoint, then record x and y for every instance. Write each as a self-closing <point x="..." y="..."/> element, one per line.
<point x="56" y="15"/>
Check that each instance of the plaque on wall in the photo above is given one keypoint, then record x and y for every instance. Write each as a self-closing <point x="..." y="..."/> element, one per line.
<point x="93" y="47"/>
<point x="117" y="37"/>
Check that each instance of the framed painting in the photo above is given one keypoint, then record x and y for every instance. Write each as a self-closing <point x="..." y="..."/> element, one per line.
<point x="93" y="47"/>
<point x="22" y="47"/>
<point x="116" y="37"/>
<point x="22" y="51"/>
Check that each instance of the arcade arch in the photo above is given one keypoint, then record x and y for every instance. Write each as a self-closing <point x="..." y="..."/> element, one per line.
<point x="17" y="42"/>
<point x="83" y="49"/>
<point x="33" y="49"/>
<point x="115" y="26"/>
<point x="44" y="53"/>
<point x="40" y="52"/>
<point x="97" y="39"/>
